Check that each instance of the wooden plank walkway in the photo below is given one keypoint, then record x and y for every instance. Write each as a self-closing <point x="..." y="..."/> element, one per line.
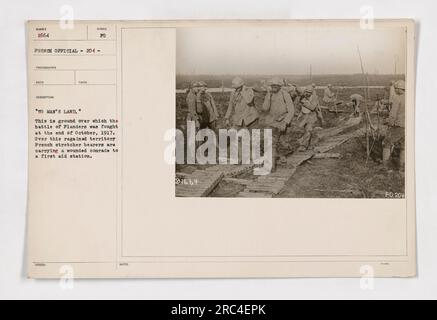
<point x="201" y="183"/>
<point x="231" y="170"/>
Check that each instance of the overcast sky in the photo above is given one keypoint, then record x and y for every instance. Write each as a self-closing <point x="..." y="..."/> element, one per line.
<point x="290" y="50"/>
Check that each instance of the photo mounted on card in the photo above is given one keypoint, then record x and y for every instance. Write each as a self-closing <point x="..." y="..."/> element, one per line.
<point x="221" y="149"/>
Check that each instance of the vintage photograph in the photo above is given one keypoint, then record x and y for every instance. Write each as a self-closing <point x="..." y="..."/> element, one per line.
<point x="291" y="112"/>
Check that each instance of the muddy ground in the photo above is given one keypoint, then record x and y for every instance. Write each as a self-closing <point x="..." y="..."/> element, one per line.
<point x="351" y="176"/>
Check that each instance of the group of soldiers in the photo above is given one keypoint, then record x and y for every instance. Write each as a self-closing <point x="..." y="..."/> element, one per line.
<point x="283" y="103"/>
<point x="393" y="104"/>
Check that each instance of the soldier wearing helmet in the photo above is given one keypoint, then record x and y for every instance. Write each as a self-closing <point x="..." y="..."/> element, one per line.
<point x="294" y="92"/>
<point x="318" y="110"/>
<point x="356" y="100"/>
<point x="280" y="111"/>
<point x="396" y="126"/>
<point x="206" y="107"/>
<point x="329" y="97"/>
<point x="310" y="105"/>
<point x="191" y="102"/>
<point x="392" y="93"/>
<point x="241" y="109"/>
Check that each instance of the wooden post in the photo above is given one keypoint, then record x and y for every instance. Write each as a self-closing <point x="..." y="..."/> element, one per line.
<point x="366" y="98"/>
<point x="311" y="72"/>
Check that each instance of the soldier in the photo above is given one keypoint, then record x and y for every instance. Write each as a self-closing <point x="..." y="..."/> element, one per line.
<point x="206" y="107"/>
<point x="191" y="103"/>
<point x="392" y="93"/>
<point x="318" y="110"/>
<point x="329" y="97"/>
<point x="382" y="102"/>
<point x="241" y="111"/>
<point x="280" y="108"/>
<point x="356" y="100"/>
<point x="300" y="91"/>
<point x="294" y="92"/>
<point x="396" y="126"/>
<point x="288" y="87"/>
<point x="310" y="104"/>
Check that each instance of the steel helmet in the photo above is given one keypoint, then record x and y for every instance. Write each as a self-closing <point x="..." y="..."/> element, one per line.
<point x="309" y="89"/>
<point x="196" y="84"/>
<point x="276" y="81"/>
<point x="400" y="84"/>
<point x="237" y="82"/>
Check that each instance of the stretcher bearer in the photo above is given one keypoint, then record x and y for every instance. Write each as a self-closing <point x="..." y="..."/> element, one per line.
<point x="392" y="93"/>
<point x="191" y="103"/>
<point x="329" y="97"/>
<point x="310" y="105"/>
<point x="206" y="107"/>
<point x="241" y="111"/>
<point x="279" y="108"/>
<point x="294" y="92"/>
<point x="317" y="101"/>
<point x="396" y="126"/>
<point x="356" y="100"/>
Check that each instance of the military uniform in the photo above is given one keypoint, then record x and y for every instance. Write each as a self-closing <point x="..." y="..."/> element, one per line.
<point x="356" y="100"/>
<point x="192" y="109"/>
<point x="396" y="126"/>
<point x="310" y="106"/>
<point x="316" y="100"/>
<point x="329" y="98"/>
<point x="396" y="122"/>
<point x="241" y="110"/>
<point x="207" y="110"/>
<point x="392" y="94"/>
<point x="280" y="108"/>
<point x="294" y="93"/>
